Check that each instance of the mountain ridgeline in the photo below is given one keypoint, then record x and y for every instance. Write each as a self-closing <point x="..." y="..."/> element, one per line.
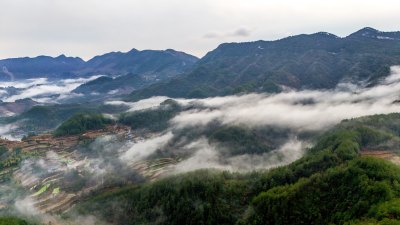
<point x="315" y="61"/>
<point x="151" y="64"/>
<point x="41" y="66"/>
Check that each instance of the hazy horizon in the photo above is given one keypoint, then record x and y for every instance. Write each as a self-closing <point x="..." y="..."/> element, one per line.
<point x="90" y="57"/>
<point x="88" y="28"/>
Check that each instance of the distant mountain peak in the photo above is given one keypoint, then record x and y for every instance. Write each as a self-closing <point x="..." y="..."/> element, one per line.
<point x="369" y="32"/>
<point x="170" y="50"/>
<point x="326" y="34"/>
<point x="370" y="29"/>
<point x="133" y="51"/>
<point x="62" y="56"/>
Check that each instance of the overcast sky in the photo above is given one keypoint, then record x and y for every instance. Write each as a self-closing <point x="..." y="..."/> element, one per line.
<point x="86" y="28"/>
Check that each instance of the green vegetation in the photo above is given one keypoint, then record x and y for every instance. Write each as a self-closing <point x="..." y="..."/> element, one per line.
<point x="107" y="84"/>
<point x="53" y="114"/>
<point x="152" y="119"/>
<point x="303" y="61"/>
<point x="42" y="190"/>
<point x="203" y="197"/>
<point x="240" y="140"/>
<point x="335" y="196"/>
<point x="56" y="191"/>
<point x="41" y="119"/>
<point x="331" y="184"/>
<point x="12" y="221"/>
<point x="11" y="158"/>
<point x="82" y="122"/>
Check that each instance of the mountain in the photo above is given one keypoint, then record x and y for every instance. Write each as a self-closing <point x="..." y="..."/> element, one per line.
<point x="315" y="61"/>
<point x="138" y="69"/>
<point x="41" y="66"/>
<point x="118" y="85"/>
<point x="369" y="32"/>
<point x="149" y="64"/>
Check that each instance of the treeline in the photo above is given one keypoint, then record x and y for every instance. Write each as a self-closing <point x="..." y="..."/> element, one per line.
<point x="82" y="122"/>
<point x="331" y="184"/>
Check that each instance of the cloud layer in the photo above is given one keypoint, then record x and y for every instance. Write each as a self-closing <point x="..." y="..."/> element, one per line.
<point x="41" y="89"/>
<point x="297" y="111"/>
<point x="300" y="110"/>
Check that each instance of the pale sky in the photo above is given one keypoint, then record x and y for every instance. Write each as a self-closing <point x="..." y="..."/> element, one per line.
<point x="86" y="28"/>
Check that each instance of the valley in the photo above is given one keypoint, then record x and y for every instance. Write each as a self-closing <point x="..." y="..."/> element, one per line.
<point x="299" y="130"/>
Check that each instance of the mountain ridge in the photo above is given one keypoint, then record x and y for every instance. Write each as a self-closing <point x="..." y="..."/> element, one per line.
<point x="306" y="61"/>
<point x="170" y="63"/>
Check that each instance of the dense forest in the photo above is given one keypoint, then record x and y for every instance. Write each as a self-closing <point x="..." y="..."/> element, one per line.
<point x="82" y="122"/>
<point x="153" y="119"/>
<point x="331" y="184"/>
<point x="314" y="61"/>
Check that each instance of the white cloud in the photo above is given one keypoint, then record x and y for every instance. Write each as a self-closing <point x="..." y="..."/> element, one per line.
<point x="43" y="90"/>
<point x="207" y="156"/>
<point x="142" y="149"/>
<point x="147" y="103"/>
<point x="6" y="130"/>
<point x="142" y="104"/>
<point x="26" y="206"/>
<point x="310" y="110"/>
<point x="325" y="108"/>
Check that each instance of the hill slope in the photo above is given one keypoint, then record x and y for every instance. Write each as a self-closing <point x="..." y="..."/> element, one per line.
<point x="314" y="61"/>
<point x="331" y="184"/>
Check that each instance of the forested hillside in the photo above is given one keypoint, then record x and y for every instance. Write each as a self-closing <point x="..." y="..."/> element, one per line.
<point x="331" y="184"/>
<point x="315" y="61"/>
<point x="82" y="122"/>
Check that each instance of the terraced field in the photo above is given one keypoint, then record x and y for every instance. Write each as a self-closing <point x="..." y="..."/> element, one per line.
<point x="58" y="155"/>
<point x="53" y="168"/>
<point x="153" y="169"/>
